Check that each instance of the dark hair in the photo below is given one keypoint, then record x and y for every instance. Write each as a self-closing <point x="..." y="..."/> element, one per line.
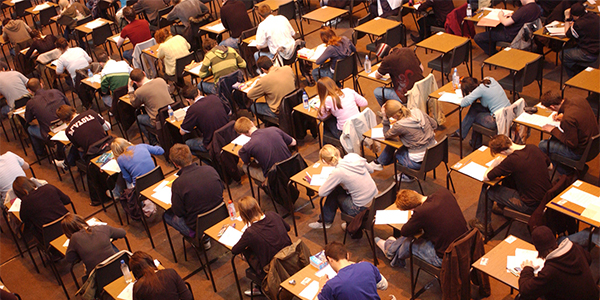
<point x="208" y="44"/>
<point x="142" y="266"/>
<point x="181" y="155"/>
<point x="336" y="251"/>
<point x="499" y="143"/>
<point x="329" y="37"/>
<point x="5" y="21"/>
<point x="101" y="55"/>
<point x="3" y="66"/>
<point x="468" y="84"/>
<point x="189" y="91"/>
<point x="22" y="186"/>
<point x="35" y="34"/>
<point x="62" y="43"/>
<point x="34" y="85"/>
<point x="129" y="13"/>
<point x="264" y="63"/>
<point x="551" y="98"/>
<point x="65" y="113"/>
<point x="137" y="75"/>
<point x="73" y="223"/>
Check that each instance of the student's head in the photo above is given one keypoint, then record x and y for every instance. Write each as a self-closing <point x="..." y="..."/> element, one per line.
<point x="329" y="155"/>
<point x="5" y="21"/>
<point x="408" y="199"/>
<point x="66" y="113"/>
<point x="189" y="92"/>
<point x="264" y="10"/>
<point x="73" y="223"/>
<point x="243" y="125"/>
<point x="577" y="10"/>
<point x="63" y="4"/>
<point x="180" y="155"/>
<point x="208" y="44"/>
<point x="34" y="85"/>
<point x="249" y="209"/>
<point x="141" y="265"/>
<point x="552" y="100"/>
<point x="327" y="87"/>
<point x="102" y="56"/>
<point x="129" y="13"/>
<point x="162" y="35"/>
<point x="35" y="34"/>
<point x="395" y="109"/>
<point x="264" y="63"/>
<point x="22" y="186"/>
<point x="468" y="84"/>
<point x="119" y="147"/>
<point x="544" y="241"/>
<point x="137" y="75"/>
<point x="499" y="143"/>
<point x="335" y="253"/>
<point x="62" y="44"/>
<point x="175" y="2"/>
<point x="329" y="37"/>
<point x="3" y="66"/>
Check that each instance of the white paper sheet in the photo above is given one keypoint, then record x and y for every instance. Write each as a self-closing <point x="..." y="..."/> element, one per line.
<point x="196" y="70"/>
<point x="536" y="119"/>
<point x="217" y="28"/>
<point x="451" y="98"/>
<point x="41" y="6"/>
<point x="493" y="15"/>
<point x="160" y="186"/>
<point x="310" y="291"/>
<point x="377" y="133"/>
<point x="97" y="78"/>
<point x="112" y="166"/>
<point x="384" y="217"/>
<point x="385" y="77"/>
<point x="252" y="43"/>
<point x="60" y="136"/>
<point x="318" y="52"/>
<point x="579" y="197"/>
<point x="94" y="222"/>
<point x="556" y="31"/>
<point x="416" y="6"/>
<point x="474" y="170"/>
<point x="521" y="255"/>
<point x="314" y="102"/>
<point x="247" y="87"/>
<point x="326" y="171"/>
<point x="163" y="195"/>
<point x="16" y="206"/>
<point x="127" y="293"/>
<point x="66" y="244"/>
<point x="592" y="212"/>
<point x="318" y="180"/>
<point x="60" y="128"/>
<point x="19" y="111"/>
<point x="230" y="237"/>
<point x="326" y="271"/>
<point x="241" y="140"/>
<point x="180" y="114"/>
<point x="94" y="24"/>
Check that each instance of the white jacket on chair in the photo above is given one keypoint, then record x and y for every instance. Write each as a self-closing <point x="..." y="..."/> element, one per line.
<point x="418" y="97"/>
<point x="352" y="135"/>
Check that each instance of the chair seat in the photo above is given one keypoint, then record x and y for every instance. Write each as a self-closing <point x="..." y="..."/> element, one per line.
<point x="516" y="215"/>
<point x="372" y="47"/>
<point x="484" y="130"/>
<point x="427" y="267"/>
<point x="507" y="83"/>
<point x="436" y="64"/>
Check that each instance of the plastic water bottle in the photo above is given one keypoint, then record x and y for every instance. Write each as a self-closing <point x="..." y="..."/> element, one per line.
<point x="305" y="101"/>
<point x="231" y="209"/>
<point x="125" y="271"/>
<point x="367" y="64"/>
<point x="171" y="114"/>
<point x="90" y="74"/>
<point x="469" y="10"/>
<point x="455" y="79"/>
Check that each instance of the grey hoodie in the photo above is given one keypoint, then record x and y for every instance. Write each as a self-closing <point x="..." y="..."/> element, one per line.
<point x="16" y="31"/>
<point x="353" y="174"/>
<point x="415" y="132"/>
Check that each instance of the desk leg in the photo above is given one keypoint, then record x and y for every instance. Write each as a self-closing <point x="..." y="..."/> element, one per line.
<point x="14" y="125"/>
<point x="323" y="220"/>
<point x="4" y="54"/>
<point x="237" y="280"/>
<point x="514" y="74"/>
<point x="562" y="63"/>
<point x="460" y="145"/>
<point x="12" y="234"/>
<point x="489" y="30"/>
<point x="485" y="221"/>
<point x="225" y="177"/>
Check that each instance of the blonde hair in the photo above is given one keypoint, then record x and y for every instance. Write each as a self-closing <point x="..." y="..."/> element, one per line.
<point x="243" y="125"/>
<point x="407" y="199"/>
<point x="120" y="147"/>
<point x="327" y="87"/>
<point x="329" y="155"/>
<point x="395" y="109"/>
<point x="249" y="209"/>
<point x="63" y="4"/>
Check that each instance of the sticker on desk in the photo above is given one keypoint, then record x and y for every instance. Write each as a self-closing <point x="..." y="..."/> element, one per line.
<point x="577" y="183"/>
<point x="510" y="239"/>
<point x="482" y="148"/>
<point x="589" y="69"/>
<point x="377" y="18"/>
<point x="507" y="49"/>
<point x="439" y="33"/>
<point x="305" y="281"/>
<point x="561" y="202"/>
<point x="483" y="261"/>
<point x="316" y="165"/>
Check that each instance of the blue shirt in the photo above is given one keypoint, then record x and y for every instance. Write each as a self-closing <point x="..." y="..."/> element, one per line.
<point x="139" y="163"/>
<point x="491" y="97"/>
<point x="354" y="282"/>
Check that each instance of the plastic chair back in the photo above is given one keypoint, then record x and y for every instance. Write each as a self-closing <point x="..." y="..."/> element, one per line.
<point x="84" y="20"/>
<point x="46" y="16"/>
<point x="21" y="6"/>
<point x="161" y="12"/>
<point x="396" y="35"/>
<point x="344" y="68"/>
<point x="180" y="64"/>
<point x="381" y="202"/>
<point x="101" y="34"/>
<point x="147" y="180"/>
<point x="359" y="35"/>
<point x="51" y="231"/>
<point x="434" y="155"/>
<point x="210" y="218"/>
<point x="287" y="10"/>
<point x="532" y="72"/>
<point x="110" y="272"/>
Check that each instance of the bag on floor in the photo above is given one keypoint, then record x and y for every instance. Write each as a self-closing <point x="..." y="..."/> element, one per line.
<point x="128" y="201"/>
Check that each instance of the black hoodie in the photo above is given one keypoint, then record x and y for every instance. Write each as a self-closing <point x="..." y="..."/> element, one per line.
<point x="566" y="275"/>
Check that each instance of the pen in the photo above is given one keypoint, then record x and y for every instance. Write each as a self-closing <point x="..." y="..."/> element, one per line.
<point x="233" y="147"/>
<point x="308" y="175"/>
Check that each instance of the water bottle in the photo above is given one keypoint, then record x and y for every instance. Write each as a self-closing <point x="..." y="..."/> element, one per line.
<point x="90" y="74"/>
<point x="171" y="114"/>
<point x="367" y="64"/>
<point x="305" y="100"/>
<point x="455" y="79"/>
<point x="469" y="10"/>
<point x="231" y="209"/>
<point x="125" y="271"/>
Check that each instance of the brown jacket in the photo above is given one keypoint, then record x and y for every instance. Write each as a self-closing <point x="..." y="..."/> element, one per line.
<point x="286" y="263"/>
<point x="578" y="124"/>
<point x="279" y="82"/>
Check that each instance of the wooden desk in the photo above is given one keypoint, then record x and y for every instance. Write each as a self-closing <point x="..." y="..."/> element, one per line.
<point x="114" y="39"/>
<point x="396" y="226"/>
<point x="306" y="272"/>
<point x="249" y="40"/>
<point x="445" y="43"/>
<point x="324" y="15"/>
<point x="312" y="112"/>
<point x="248" y="85"/>
<point x="384" y="80"/>
<point x="51" y="134"/>
<point x="542" y="111"/>
<point x="587" y="80"/>
<point x="92" y="84"/>
<point x="85" y="30"/>
<point x="115" y="288"/>
<point x="563" y="40"/>
<point x="190" y="69"/>
<point x="392" y="143"/>
<point x="208" y="28"/>
<point x="513" y="60"/>
<point x="574" y="210"/>
<point x="152" y="51"/>
<point x="59" y="243"/>
<point x="34" y="12"/>
<point x="275" y="4"/>
<point x="99" y="165"/>
<point x="496" y="261"/>
<point x="150" y="191"/>
<point x="126" y="99"/>
<point x="376" y="27"/>
<point x="479" y="18"/>
<point x="414" y="12"/>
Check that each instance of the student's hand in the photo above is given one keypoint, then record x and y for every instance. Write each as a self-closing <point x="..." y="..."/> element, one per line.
<point x="557" y="117"/>
<point x="392" y="120"/>
<point x="383" y="111"/>
<point x="548" y="128"/>
<point x="323" y="280"/>
<point x="567" y="13"/>
<point x="526" y="263"/>
<point x="237" y="85"/>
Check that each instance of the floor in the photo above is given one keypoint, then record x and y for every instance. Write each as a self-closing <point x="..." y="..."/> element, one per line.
<point x="19" y="275"/>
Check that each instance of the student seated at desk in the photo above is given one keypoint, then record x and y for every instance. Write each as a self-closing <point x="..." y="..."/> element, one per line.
<point x="137" y="31"/>
<point x="386" y="8"/>
<point x="274" y="86"/>
<point x="11" y="167"/>
<point x="339" y="106"/>
<point x="415" y="130"/>
<point x="349" y="187"/>
<point x="12" y="87"/>
<point x="71" y="60"/>
<point x="492" y="99"/>
<point x="268" y="146"/>
<point x="404" y="69"/>
<point x="441" y="9"/>
<point x="89" y="244"/>
<point x="70" y="13"/>
<point x="266" y="234"/>
<point x="15" y="31"/>
<point x="114" y="74"/>
<point x="134" y="160"/>
<point x="155" y="284"/>
<point x="235" y="19"/>
<point x="337" y="49"/>
<point x="218" y="61"/>
<point x="437" y="215"/>
<point x="584" y="27"/>
<point x="566" y="273"/>
<point x="526" y="169"/>
<point x="274" y="34"/>
<point x="359" y="281"/>
<point x="40" y="44"/>
<point x="183" y="11"/>
<point x="171" y="48"/>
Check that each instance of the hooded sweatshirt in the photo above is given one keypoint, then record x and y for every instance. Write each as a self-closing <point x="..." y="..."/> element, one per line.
<point x="223" y="61"/>
<point x="415" y="132"/>
<point x="566" y="275"/>
<point x="16" y="31"/>
<point x="344" y="49"/>
<point x="353" y="174"/>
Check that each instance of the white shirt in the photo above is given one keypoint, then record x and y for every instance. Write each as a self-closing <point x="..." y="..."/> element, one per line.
<point x="10" y="168"/>
<point x="275" y="32"/>
<point x="72" y="60"/>
<point x="113" y="66"/>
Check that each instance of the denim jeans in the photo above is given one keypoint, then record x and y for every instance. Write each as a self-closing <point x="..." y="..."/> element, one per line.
<point x="383" y="94"/>
<point x="575" y="60"/>
<point x="330" y="128"/>
<point x="230" y="42"/>
<point x="196" y="145"/>
<point x="582" y="238"/>
<point x="178" y="223"/>
<point x="339" y="198"/>
<point x="4" y="110"/>
<point x="260" y="53"/>
<point x="399" y="250"/>
<point x="501" y="195"/>
<point x="37" y="141"/>
<point x="477" y="114"/>
<point x="128" y="55"/>
<point x="322" y="72"/>
<point x="207" y="87"/>
<point x="262" y="108"/>
<point x="145" y="120"/>
<point x="387" y="157"/>
<point x="107" y="99"/>
<point x="497" y="35"/>
<point x="561" y="149"/>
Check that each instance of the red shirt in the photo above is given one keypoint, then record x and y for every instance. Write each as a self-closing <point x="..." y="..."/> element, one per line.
<point x="137" y="31"/>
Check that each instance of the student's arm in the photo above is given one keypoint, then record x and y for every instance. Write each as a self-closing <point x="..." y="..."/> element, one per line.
<point x="116" y="233"/>
<point x="87" y="57"/>
<point x="394" y="131"/>
<point x="470" y="98"/>
<point x="261" y="38"/>
<point x="382" y="284"/>
<point x="242" y="244"/>
<point x="504" y="168"/>
<point x="331" y="183"/>
<point x="29" y="52"/>
<point x="105" y="124"/>
<point x="531" y="286"/>
<point x="329" y="51"/>
<point x="360" y="100"/>
<point x="425" y="5"/>
<point x="569" y="136"/>
<point x="244" y="154"/>
<point x="413" y="226"/>
<point x="104" y="85"/>
<point x="290" y="141"/>
<point x="72" y="256"/>
<point x="155" y="150"/>
<point x="120" y="40"/>
<point x="203" y="7"/>
<point x="432" y="122"/>
<point x="506" y="20"/>
<point x="188" y="124"/>
<point x="63" y="197"/>
<point x="257" y="91"/>
<point x="174" y="14"/>
<point x="177" y="205"/>
<point x="241" y="63"/>
<point x="60" y="68"/>
<point x="124" y="172"/>
<point x="204" y="72"/>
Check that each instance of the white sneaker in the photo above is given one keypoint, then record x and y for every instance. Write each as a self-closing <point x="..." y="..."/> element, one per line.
<point x="344" y="225"/>
<point x="255" y="292"/>
<point x="376" y="166"/>
<point x="405" y="178"/>
<point x="61" y="164"/>
<point x="319" y="225"/>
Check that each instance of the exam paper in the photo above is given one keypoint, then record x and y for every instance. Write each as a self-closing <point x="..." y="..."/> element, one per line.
<point x="318" y="52"/>
<point x="41" y="6"/>
<point x="217" y="28"/>
<point x="326" y="171"/>
<point x="112" y="166"/>
<point x="377" y="133"/>
<point x="16" y="206"/>
<point x="60" y="136"/>
<point x="127" y="293"/>
<point x="66" y="244"/>
<point x="59" y="128"/>
<point x="385" y="77"/>
<point x="310" y="291"/>
<point x="493" y="15"/>
<point x="97" y="78"/>
<point x="196" y="70"/>
<point x="248" y="87"/>
<point x="94" y="24"/>
<point x="521" y="255"/>
<point x="474" y="170"/>
<point x="180" y="114"/>
<point x="314" y="102"/>
<point x="451" y="97"/>
<point x="163" y="195"/>
<point x="230" y="237"/>
<point x="537" y="120"/>
<point x="592" y="212"/>
<point x="318" y="179"/>
<point x="384" y="217"/>
<point x="94" y="222"/>
<point x="252" y="43"/>
<point x="241" y="140"/>
<point x="326" y="271"/>
<point x="579" y="197"/>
